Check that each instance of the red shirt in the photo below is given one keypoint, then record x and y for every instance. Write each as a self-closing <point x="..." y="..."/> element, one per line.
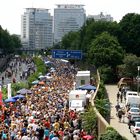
<point x="47" y="124"/>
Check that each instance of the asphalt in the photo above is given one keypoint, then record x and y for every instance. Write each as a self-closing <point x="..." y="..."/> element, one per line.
<point x="121" y="127"/>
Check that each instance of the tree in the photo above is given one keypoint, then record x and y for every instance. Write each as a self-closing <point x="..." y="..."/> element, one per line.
<point x="105" y="72"/>
<point x="130" y="39"/>
<point x="93" y="29"/>
<point x="87" y="33"/>
<point x="16" y="41"/>
<point x="129" y="66"/>
<point x="70" y="41"/>
<point x="106" y="50"/>
<point x="8" y="43"/>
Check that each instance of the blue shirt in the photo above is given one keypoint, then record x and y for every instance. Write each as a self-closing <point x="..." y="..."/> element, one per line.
<point x="46" y="132"/>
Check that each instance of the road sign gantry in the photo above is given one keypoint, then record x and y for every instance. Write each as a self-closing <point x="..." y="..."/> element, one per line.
<point x="67" y="54"/>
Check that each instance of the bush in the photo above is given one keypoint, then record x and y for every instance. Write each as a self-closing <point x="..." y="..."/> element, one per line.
<point x="17" y="86"/>
<point x="111" y="134"/>
<point x="102" y="91"/>
<point x="41" y="68"/>
<point x="89" y="120"/>
<point x="103" y="106"/>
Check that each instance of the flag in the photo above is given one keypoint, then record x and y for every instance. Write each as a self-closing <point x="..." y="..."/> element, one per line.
<point x="1" y="96"/>
<point x="9" y="90"/>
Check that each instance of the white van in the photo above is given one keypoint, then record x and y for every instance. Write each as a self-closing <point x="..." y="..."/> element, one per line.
<point x="131" y="99"/>
<point x="78" y="105"/>
<point x="134" y="93"/>
<point x="77" y="100"/>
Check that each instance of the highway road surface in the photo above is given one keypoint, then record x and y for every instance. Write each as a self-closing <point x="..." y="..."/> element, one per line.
<point x="121" y="127"/>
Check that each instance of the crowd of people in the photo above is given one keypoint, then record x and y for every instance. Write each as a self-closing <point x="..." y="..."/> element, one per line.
<point x="44" y="116"/>
<point x="121" y="110"/>
<point x="18" y="69"/>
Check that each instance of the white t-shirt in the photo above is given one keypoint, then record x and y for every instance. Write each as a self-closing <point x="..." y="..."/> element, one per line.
<point x="75" y="137"/>
<point x="55" y="138"/>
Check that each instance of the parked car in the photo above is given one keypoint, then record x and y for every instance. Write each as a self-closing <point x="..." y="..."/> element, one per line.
<point x="134" y="93"/>
<point x="133" y="111"/>
<point x="135" y="128"/>
<point x="134" y="105"/>
<point x="137" y="136"/>
<point x="133" y="119"/>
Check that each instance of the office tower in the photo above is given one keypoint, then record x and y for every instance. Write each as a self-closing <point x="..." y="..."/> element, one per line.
<point x="36" y="28"/>
<point x="67" y="18"/>
<point x="101" y="17"/>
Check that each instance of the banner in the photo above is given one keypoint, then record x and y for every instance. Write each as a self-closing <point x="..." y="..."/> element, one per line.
<point x="1" y="96"/>
<point x="9" y="90"/>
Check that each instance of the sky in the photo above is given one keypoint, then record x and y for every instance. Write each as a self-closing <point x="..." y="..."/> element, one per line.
<point x="11" y="10"/>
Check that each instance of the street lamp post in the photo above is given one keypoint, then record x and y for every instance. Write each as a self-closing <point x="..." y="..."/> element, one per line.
<point x="138" y="80"/>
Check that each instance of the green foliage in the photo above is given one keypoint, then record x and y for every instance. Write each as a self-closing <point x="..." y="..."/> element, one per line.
<point x="105" y="43"/>
<point x="32" y="78"/>
<point x="70" y="41"/>
<point x="96" y="28"/>
<point x="14" y="88"/>
<point x="130" y="39"/>
<point x="105" y="50"/>
<point x="101" y="103"/>
<point x="9" y="43"/>
<point x="105" y="72"/>
<point x="129" y="68"/>
<point x="4" y="92"/>
<point x="103" y="106"/>
<point x="83" y="38"/>
<point x="41" y="68"/>
<point x="111" y="134"/>
<point x="102" y="91"/>
<point x="89" y="119"/>
<point x="17" y="86"/>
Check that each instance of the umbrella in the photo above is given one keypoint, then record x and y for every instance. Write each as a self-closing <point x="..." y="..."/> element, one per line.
<point x="48" y="62"/>
<point x="10" y="100"/>
<point x="24" y="91"/>
<point x="35" y="82"/>
<point x="48" y="74"/>
<point x="63" y="60"/>
<point x="53" y="70"/>
<point x="87" y="87"/>
<point x="18" y="97"/>
<point x="41" y="83"/>
<point x="48" y="77"/>
<point x="88" y="137"/>
<point x="41" y="76"/>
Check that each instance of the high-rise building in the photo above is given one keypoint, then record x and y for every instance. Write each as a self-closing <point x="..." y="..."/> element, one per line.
<point x="101" y="17"/>
<point x="36" y="28"/>
<point x="67" y="18"/>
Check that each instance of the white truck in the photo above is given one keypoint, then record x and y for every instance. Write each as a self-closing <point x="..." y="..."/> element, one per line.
<point x="77" y="100"/>
<point x="134" y="93"/>
<point x="82" y="78"/>
<point x="133" y="100"/>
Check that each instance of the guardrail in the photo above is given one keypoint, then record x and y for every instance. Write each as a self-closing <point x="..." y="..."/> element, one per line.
<point x="101" y="122"/>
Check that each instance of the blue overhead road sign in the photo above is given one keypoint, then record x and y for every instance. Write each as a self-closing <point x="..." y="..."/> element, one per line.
<point x="67" y="54"/>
